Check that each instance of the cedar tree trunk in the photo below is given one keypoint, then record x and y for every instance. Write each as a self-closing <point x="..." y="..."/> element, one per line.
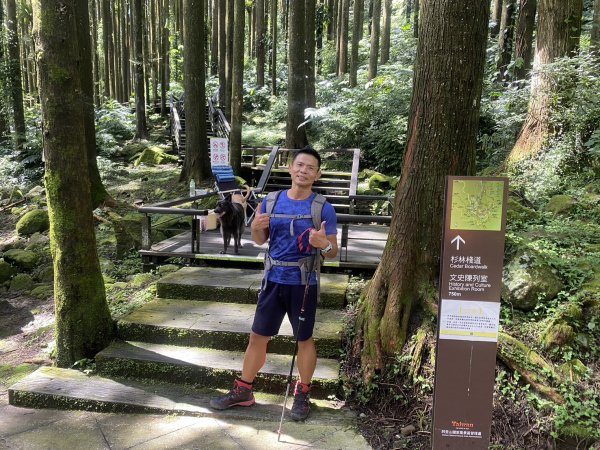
<point x="83" y="322"/>
<point x="442" y="133"/>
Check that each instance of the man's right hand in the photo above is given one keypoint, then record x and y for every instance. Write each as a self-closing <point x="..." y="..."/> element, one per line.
<point x="261" y="220"/>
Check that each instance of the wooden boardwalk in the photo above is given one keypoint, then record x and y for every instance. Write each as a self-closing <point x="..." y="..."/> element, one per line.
<point x="363" y="251"/>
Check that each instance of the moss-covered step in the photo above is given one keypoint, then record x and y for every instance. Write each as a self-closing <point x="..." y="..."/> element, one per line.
<point x="223" y="326"/>
<point x="206" y="367"/>
<point x="51" y="387"/>
<point x="237" y="285"/>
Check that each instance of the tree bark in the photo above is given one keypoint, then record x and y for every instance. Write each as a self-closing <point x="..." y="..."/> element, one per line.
<point x="273" y="47"/>
<point x="357" y="24"/>
<point x="260" y="43"/>
<point x="107" y="44"/>
<point x="164" y="59"/>
<point x="95" y="59"/>
<point x="97" y="191"/>
<point x="4" y="121"/>
<point x="310" y="14"/>
<point x="14" y="75"/>
<point x="343" y="37"/>
<point x="197" y="162"/>
<point x="386" y="32"/>
<point x="496" y="18"/>
<point x="222" y="49"/>
<point x="295" y="136"/>
<point x="524" y="38"/>
<point x="416" y="21"/>
<point x="140" y="93"/>
<point x="237" y="98"/>
<point x="214" y="38"/>
<point x="556" y="35"/>
<point x="595" y="36"/>
<point x="505" y="39"/>
<point x="230" y="21"/>
<point x="83" y="323"/>
<point x="375" y="27"/>
<point x="441" y="141"/>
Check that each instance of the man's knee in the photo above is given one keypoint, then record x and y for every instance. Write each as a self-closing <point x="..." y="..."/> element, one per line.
<point x="258" y="340"/>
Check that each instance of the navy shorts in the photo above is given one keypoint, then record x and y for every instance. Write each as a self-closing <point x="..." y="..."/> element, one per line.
<point x="276" y="300"/>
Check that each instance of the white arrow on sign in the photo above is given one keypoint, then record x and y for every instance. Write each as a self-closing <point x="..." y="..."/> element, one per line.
<point x="458" y="240"/>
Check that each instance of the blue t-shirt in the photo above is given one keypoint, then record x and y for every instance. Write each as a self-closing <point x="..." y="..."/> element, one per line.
<point x="282" y="245"/>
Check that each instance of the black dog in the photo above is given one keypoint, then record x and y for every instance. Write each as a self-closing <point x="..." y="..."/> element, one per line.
<point x="231" y="217"/>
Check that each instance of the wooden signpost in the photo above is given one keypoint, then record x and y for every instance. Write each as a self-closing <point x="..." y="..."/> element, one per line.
<point x="469" y="311"/>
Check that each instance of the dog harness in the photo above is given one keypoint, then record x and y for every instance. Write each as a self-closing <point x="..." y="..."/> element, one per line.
<point x="306" y="265"/>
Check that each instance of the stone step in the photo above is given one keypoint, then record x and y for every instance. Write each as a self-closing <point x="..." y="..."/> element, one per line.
<point x="223" y="326"/>
<point x="237" y="286"/>
<point x="206" y="367"/>
<point x="52" y="387"/>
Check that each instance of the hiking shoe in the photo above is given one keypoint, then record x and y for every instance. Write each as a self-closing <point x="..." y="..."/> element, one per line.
<point x="240" y="395"/>
<point x="301" y="406"/>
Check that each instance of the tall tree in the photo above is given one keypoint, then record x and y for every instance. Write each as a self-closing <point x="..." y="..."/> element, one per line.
<point x="164" y="58"/>
<point x="295" y="135"/>
<point x="237" y="91"/>
<point x="595" y="35"/>
<point x="386" y="31"/>
<point x="197" y="162"/>
<point x="4" y="121"/>
<point x="556" y="36"/>
<point x="260" y="42"/>
<point x="140" y="93"/>
<point x="524" y="38"/>
<point x="273" y="47"/>
<point x="107" y="45"/>
<point x="214" y="38"/>
<point x="14" y="75"/>
<point x="496" y="18"/>
<point x="375" y="27"/>
<point x="309" y="43"/>
<point x="505" y="39"/>
<point x="83" y="323"/>
<point x="97" y="190"/>
<point x="416" y="21"/>
<point x="229" y="26"/>
<point x="442" y="132"/>
<point x="357" y="24"/>
<point x="343" y="24"/>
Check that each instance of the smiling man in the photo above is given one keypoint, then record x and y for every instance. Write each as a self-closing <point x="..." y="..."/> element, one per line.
<point x="287" y="220"/>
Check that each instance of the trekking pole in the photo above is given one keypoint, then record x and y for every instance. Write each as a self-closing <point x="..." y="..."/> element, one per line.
<point x="301" y="319"/>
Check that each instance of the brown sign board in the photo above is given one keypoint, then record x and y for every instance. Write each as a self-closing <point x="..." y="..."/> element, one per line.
<point x="469" y="311"/>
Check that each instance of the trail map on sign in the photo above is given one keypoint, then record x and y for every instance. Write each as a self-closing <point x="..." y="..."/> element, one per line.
<point x="477" y="205"/>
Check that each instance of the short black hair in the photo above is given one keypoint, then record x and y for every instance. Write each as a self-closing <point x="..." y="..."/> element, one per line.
<point x="308" y="150"/>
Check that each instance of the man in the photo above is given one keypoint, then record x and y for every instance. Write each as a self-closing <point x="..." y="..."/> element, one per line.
<point x="283" y="288"/>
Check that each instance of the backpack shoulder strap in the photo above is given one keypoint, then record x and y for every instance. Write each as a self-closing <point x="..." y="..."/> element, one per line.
<point x="316" y="210"/>
<point x="271" y="200"/>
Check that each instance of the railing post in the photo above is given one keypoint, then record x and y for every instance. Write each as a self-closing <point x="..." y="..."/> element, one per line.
<point x="146" y="232"/>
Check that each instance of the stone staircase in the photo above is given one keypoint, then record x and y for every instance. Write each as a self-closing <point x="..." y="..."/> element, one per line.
<point x="187" y="345"/>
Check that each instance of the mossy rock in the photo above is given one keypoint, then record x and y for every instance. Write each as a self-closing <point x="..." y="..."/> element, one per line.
<point x="21" y="282"/>
<point x="560" y="204"/>
<point x="591" y="288"/>
<point x="36" y="191"/>
<point x="32" y="222"/>
<point x="574" y="370"/>
<point x="7" y="271"/>
<point x="128" y="232"/>
<point x="37" y="240"/>
<point x="25" y="259"/>
<point x="167" y="268"/>
<point x="44" y="274"/>
<point x="527" y="280"/>
<point x="140" y="280"/>
<point x="153" y="156"/>
<point x="517" y="212"/>
<point x="43" y="291"/>
<point x="130" y="150"/>
<point x="18" y="210"/>
<point x="558" y="334"/>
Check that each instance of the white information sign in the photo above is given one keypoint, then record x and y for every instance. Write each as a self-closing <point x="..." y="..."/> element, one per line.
<point x="219" y="151"/>
<point x="467" y="320"/>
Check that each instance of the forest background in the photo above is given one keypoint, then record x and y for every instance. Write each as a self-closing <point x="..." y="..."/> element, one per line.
<point x="506" y="88"/>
